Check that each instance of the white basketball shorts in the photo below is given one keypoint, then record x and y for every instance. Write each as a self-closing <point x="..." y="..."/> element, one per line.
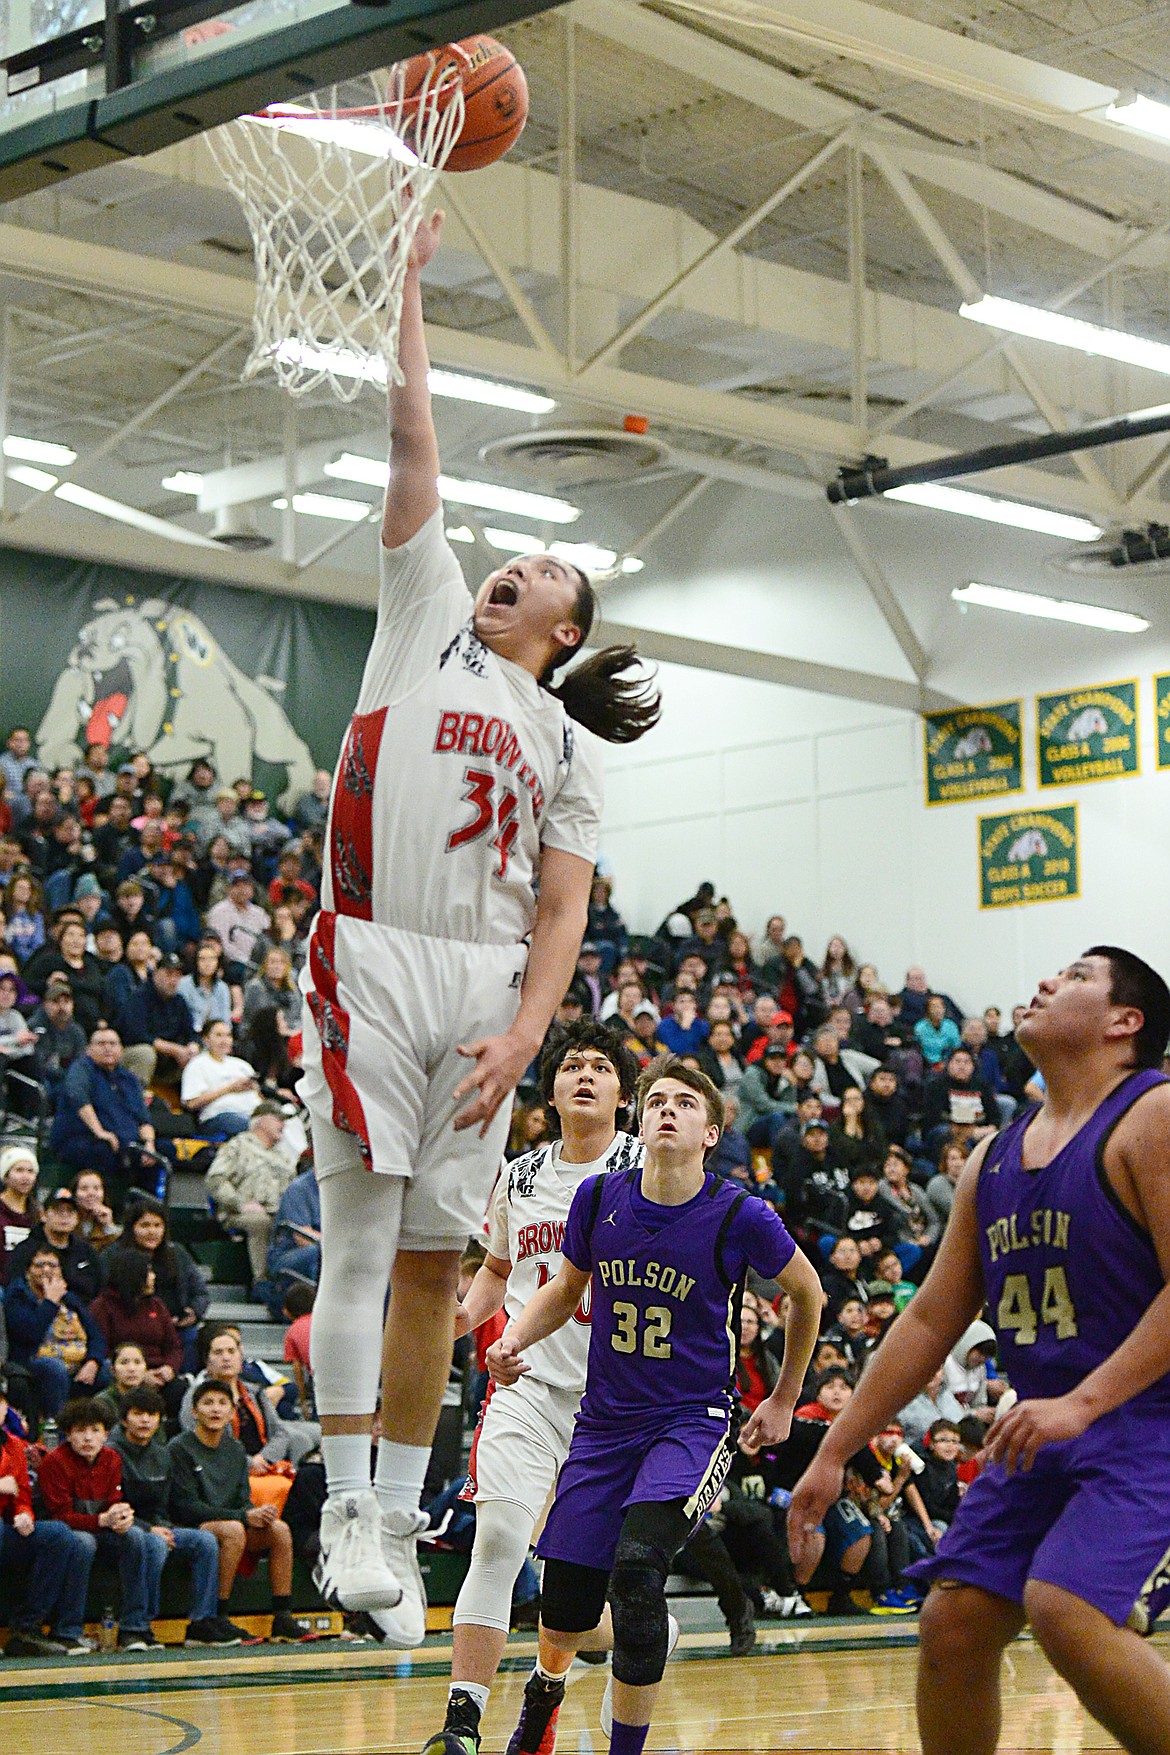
<point x="385" y="1013"/>
<point x="520" y="1443"/>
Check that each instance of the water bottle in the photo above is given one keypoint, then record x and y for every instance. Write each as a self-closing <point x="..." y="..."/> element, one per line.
<point x="108" y="1636"/>
<point x="50" y="1433"/>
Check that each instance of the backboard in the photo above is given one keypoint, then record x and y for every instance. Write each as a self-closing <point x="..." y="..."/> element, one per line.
<point x="87" y="82"/>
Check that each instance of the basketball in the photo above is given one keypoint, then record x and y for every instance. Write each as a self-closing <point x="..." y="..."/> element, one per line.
<point x="495" y="96"/>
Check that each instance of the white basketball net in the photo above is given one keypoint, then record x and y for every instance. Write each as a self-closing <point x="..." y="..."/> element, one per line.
<point x="333" y="190"/>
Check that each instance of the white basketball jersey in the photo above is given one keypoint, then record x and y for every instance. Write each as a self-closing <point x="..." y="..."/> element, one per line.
<point x="457" y="768"/>
<point x="526" y="1226"/>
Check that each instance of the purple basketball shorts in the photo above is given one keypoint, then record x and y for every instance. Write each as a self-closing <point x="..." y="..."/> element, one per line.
<point x="1091" y="1516"/>
<point x="685" y="1455"/>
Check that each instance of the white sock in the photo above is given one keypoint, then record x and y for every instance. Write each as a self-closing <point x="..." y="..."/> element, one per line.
<point x="347" y="1462"/>
<point x="399" y="1474"/>
<point x="478" y="1694"/>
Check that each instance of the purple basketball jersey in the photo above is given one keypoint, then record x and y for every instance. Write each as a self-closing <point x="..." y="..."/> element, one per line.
<point x="1069" y="1272"/>
<point x="666" y="1284"/>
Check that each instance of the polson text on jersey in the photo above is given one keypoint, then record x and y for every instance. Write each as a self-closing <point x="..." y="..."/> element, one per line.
<point x="653" y="1275"/>
<point x="1046" y="1226"/>
<point x="471" y="734"/>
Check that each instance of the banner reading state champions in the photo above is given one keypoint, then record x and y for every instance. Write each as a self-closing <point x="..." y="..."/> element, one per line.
<point x="973" y="752"/>
<point x="1028" y="856"/>
<point x="1087" y="734"/>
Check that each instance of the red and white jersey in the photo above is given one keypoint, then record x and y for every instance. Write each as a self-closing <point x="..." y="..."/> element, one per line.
<point x="526" y="1226"/>
<point x="457" y="768"/>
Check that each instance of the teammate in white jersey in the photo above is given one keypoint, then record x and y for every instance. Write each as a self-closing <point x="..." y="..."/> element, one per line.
<point x="433" y="971"/>
<point x="587" y="1076"/>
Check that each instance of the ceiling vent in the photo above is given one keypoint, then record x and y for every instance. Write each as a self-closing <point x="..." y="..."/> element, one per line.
<point x="235" y="527"/>
<point x="578" y="457"/>
<point x="1146" y="551"/>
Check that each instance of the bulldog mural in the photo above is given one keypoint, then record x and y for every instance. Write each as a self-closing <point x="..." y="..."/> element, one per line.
<point x="152" y="677"/>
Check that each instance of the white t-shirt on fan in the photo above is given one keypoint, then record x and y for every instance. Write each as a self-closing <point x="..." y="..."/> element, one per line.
<point x="205" y="1073"/>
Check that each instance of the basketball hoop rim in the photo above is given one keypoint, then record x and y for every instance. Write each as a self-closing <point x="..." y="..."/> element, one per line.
<point x="441" y="92"/>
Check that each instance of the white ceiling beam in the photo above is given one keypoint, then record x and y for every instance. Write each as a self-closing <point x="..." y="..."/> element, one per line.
<point x="146" y="280"/>
<point x="799" y="100"/>
<point x="771" y="667"/>
<point x="902" y="45"/>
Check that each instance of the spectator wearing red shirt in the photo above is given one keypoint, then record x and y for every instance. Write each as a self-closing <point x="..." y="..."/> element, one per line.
<point x="756" y="1369"/>
<point x="128" y="1310"/>
<point x="39" y="1549"/>
<point x="80" y="1483"/>
<point x="298" y="1307"/>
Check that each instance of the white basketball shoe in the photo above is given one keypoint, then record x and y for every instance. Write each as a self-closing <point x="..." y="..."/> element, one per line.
<point x="352" y="1571"/>
<point x="403" y="1626"/>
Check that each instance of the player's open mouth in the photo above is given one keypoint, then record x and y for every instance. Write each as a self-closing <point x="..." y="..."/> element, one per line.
<point x="504" y="594"/>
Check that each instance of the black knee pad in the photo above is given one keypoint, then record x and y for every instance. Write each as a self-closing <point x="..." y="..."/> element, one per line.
<point x="637" y="1593"/>
<point x="572" y="1597"/>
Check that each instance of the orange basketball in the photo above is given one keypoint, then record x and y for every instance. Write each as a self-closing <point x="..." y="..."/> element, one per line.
<point x="495" y="98"/>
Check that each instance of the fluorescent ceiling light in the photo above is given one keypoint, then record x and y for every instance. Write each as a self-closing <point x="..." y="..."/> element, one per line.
<point x="460" y="533"/>
<point x="37" y="450"/>
<point x="590" y="556"/>
<point x="504" y="499"/>
<point x="1053" y="609"/>
<point x="184" y="481"/>
<point x="941" y="498"/>
<point x="326" y="506"/>
<point x="483" y="390"/>
<point x="1141" y="113"/>
<point x="370" y="139"/>
<point x="347" y="364"/>
<point x="1112" y="344"/>
<point x="373" y="471"/>
<point x="33" y="478"/>
<point x="123" y="514"/>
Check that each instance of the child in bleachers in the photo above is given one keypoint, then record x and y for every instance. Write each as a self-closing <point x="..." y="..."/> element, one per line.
<point x="80" y="1483"/>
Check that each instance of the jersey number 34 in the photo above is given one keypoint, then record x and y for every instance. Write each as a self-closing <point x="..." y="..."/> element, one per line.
<point x="490" y="813"/>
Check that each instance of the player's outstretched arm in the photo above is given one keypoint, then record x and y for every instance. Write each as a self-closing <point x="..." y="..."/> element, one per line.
<point x="772" y="1419"/>
<point x="1137" y="1161"/>
<point x="948" y="1301"/>
<point x="562" y="909"/>
<point x="412" y="494"/>
<point x="485" y="1295"/>
<point x="545" y="1312"/>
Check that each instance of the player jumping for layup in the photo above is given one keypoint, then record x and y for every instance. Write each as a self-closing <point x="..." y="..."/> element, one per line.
<point x="432" y="971"/>
<point x="668" y="1247"/>
<point x="1062" y="1225"/>
<point x="587" y="1075"/>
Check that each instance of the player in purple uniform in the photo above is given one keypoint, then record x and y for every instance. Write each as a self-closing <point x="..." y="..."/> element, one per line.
<point x="668" y="1248"/>
<point x="1061" y="1225"/>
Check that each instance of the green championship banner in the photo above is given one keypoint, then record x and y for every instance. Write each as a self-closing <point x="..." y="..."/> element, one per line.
<point x="973" y="752"/>
<point x="1087" y="734"/>
<point x="1028" y="856"/>
<point x="1162" y="719"/>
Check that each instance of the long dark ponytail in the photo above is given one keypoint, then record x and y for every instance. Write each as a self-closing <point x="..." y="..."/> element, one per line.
<point x="600" y="693"/>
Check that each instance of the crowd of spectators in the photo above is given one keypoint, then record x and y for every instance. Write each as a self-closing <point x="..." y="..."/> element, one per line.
<point x="150" y="939"/>
<point x="151" y="936"/>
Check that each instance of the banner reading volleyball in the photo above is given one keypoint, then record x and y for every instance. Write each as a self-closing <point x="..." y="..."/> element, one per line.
<point x="1162" y="720"/>
<point x="973" y="752"/>
<point x="1087" y="734"/>
<point x="1028" y="856"/>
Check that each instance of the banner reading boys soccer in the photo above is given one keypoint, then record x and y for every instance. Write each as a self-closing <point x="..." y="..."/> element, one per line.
<point x="1028" y="856"/>
<point x="973" y="752"/>
<point x="1162" y="719"/>
<point x="1087" y="734"/>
